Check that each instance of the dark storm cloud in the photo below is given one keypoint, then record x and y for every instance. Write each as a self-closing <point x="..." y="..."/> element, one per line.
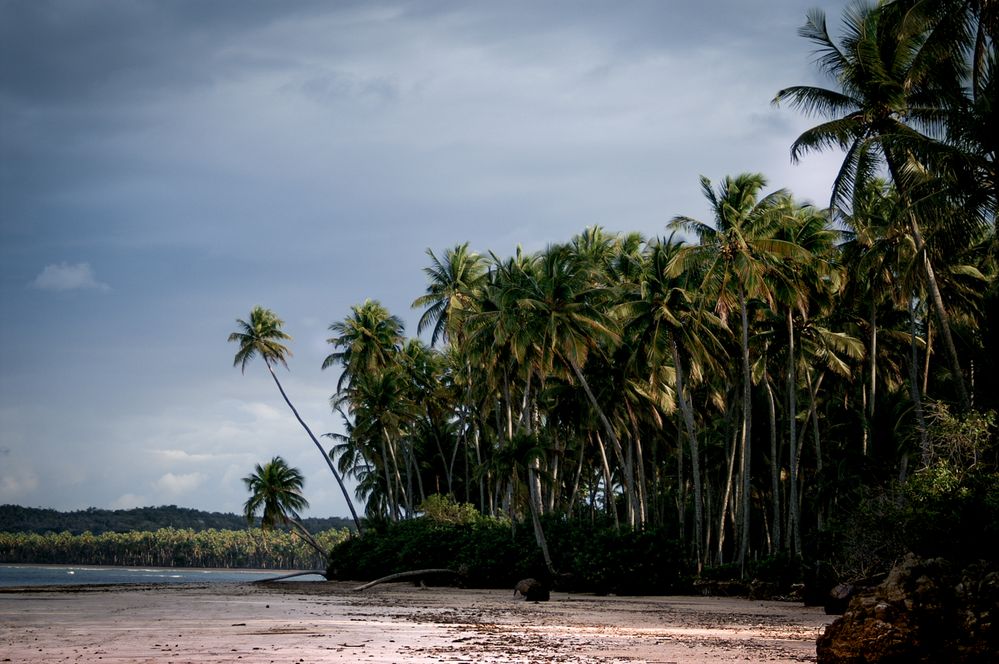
<point x="166" y="165"/>
<point x="97" y="50"/>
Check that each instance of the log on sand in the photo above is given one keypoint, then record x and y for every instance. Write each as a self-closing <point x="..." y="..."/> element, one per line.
<point x="406" y="575"/>
<point x="292" y="576"/>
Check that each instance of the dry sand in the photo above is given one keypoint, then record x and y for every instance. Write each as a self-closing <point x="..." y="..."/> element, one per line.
<point x="329" y="622"/>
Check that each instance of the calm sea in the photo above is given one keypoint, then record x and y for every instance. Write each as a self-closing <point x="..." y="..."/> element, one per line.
<point x="51" y="575"/>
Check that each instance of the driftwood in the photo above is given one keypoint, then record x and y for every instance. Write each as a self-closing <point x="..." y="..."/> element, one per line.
<point x="292" y="576"/>
<point x="406" y="575"/>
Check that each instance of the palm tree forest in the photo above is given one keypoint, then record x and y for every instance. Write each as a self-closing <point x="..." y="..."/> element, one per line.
<point x="779" y="380"/>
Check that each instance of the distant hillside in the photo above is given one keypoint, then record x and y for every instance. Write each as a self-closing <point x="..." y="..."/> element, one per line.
<point x="17" y="519"/>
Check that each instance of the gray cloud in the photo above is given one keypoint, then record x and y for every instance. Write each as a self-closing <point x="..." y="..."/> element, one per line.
<point x="65" y="276"/>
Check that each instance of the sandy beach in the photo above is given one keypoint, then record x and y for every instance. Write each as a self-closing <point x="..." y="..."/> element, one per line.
<point x="329" y="622"/>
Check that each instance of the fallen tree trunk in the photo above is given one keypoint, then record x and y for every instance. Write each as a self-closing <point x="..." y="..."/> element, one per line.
<point x="291" y="576"/>
<point x="406" y="575"/>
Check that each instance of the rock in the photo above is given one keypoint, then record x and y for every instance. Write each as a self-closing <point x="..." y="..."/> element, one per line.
<point x="532" y="590"/>
<point x="839" y="598"/>
<point x="922" y="613"/>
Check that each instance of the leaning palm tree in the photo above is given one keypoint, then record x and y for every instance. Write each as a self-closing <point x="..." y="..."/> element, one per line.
<point x="276" y="488"/>
<point x="262" y="336"/>
<point x="893" y="88"/>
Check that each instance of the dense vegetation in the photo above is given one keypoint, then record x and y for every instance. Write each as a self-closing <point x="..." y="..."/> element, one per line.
<point x="17" y="519"/>
<point x="171" y="547"/>
<point x="798" y="383"/>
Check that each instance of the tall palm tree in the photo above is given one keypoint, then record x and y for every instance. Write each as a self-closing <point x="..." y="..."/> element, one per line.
<point x="809" y="282"/>
<point x="261" y="336"/>
<point x="738" y="256"/>
<point x="565" y="320"/>
<point x="276" y="488"/>
<point x="894" y="87"/>
<point x="667" y="324"/>
<point x="454" y="285"/>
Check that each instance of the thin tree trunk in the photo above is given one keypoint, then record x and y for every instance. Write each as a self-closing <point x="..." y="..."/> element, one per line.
<point x="307" y="536"/>
<point x="681" y="494"/>
<point x="629" y="480"/>
<point x="640" y="488"/>
<point x="793" y="507"/>
<point x="872" y="391"/>
<point x="774" y="469"/>
<point x="398" y="477"/>
<point x="932" y="286"/>
<point x="389" y="488"/>
<point x="929" y="351"/>
<point x="726" y="496"/>
<point x="329" y="461"/>
<point x="747" y="432"/>
<point x="608" y="488"/>
<point x="917" y="401"/>
<point x="813" y="391"/>
<point x="695" y="464"/>
<point x="579" y="475"/>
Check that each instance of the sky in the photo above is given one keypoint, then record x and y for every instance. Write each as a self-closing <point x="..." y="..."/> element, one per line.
<point x="166" y="166"/>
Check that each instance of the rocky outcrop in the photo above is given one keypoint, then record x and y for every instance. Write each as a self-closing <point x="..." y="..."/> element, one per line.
<point x="923" y="613"/>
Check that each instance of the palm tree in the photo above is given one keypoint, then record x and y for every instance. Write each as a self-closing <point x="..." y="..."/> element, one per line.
<point x="809" y="283"/>
<point x="367" y="341"/>
<point x="666" y="324"/>
<point x="276" y="487"/>
<point x="894" y="89"/>
<point x="382" y="411"/>
<point x="452" y="285"/>
<point x="738" y="258"/>
<point x="262" y="336"/>
<point x="564" y="322"/>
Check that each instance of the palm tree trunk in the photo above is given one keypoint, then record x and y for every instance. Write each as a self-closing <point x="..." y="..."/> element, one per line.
<point x="726" y="496"/>
<point x="747" y="431"/>
<point x="640" y="486"/>
<point x="329" y="461"/>
<point x="695" y="455"/>
<point x="539" y="534"/>
<point x="774" y="468"/>
<point x="629" y="480"/>
<point x="872" y="391"/>
<point x="917" y="401"/>
<point x="579" y="475"/>
<point x="794" y="513"/>
<point x="400" y="487"/>
<point x="929" y="351"/>
<point x="608" y="487"/>
<point x="389" y="490"/>
<point x="813" y="391"/>
<point x="931" y="284"/>
<point x="307" y="536"/>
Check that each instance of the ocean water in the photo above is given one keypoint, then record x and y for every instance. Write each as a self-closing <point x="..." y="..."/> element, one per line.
<point x="57" y="575"/>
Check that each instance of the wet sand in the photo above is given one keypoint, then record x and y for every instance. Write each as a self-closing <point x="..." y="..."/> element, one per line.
<point x="329" y="622"/>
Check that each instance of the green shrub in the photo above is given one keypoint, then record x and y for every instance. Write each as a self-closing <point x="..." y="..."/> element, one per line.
<point x="494" y="553"/>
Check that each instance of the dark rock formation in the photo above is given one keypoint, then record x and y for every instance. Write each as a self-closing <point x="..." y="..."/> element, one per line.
<point x="532" y="590"/>
<point x="923" y="613"/>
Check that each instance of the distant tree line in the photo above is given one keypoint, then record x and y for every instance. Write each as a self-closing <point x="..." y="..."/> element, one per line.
<point x="17" y="519"/>
<point x="171" y="547"/>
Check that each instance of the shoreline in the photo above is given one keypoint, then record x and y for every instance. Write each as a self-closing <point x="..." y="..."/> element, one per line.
<point x="292" y="621"/>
